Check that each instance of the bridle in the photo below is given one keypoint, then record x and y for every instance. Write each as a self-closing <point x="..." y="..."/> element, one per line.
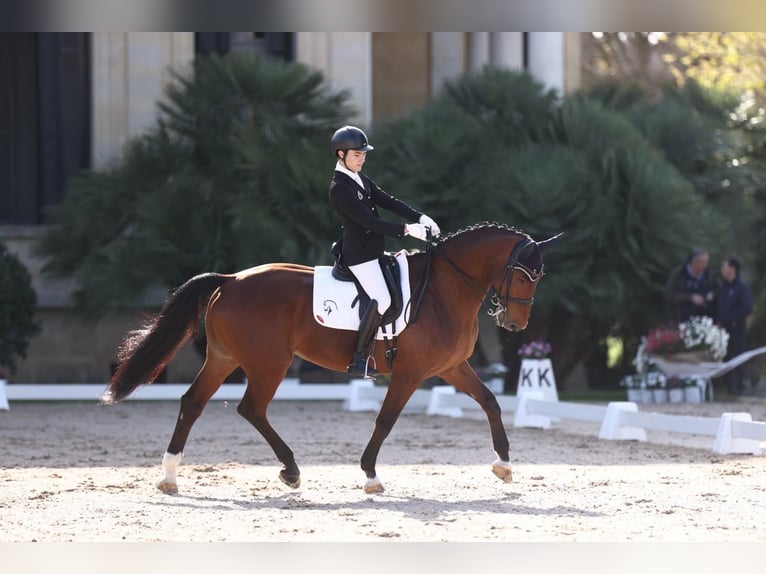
<point x="490" y="299"/>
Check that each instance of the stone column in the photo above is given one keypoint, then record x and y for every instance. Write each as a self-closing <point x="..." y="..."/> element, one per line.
<point x="346" y="60"/>
<point x="130" y="70"/>
<point x="478" y="50"/>
<point x="447" y="58"/>
<point x="506" y="50"/>
<point x="573" y="56"/>
<point x="546" y="58"/>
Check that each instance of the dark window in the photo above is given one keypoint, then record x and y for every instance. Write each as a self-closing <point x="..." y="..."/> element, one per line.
<point x="18" y="129"/>
<point x="280" y="45"/>
<point x="44" y="120"/>
<point x="525" y="49"/>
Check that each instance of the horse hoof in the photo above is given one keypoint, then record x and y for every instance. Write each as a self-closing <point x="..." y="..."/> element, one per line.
<point x="168" y="487"/>
<point x="502" y="470"/>
<point x="373" y="486"/>
<point x="291" y="481"/>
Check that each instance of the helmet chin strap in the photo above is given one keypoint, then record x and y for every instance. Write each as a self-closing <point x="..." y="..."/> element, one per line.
<point x="343" y="159"/>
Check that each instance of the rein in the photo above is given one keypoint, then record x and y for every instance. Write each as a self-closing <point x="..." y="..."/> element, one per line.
<point x="494" y="299"/>
<point x="421" y="290"/>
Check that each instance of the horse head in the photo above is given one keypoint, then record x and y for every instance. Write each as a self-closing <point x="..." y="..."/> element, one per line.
<point x="513" y="286"/>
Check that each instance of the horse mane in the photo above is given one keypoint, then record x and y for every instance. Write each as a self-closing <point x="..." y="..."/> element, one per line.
<point x="480" y="226"/>
<point x="533" y="261"/>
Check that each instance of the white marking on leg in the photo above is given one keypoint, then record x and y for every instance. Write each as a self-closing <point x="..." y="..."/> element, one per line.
<point x="170" y="463"/>
<point x="373" y="486"/>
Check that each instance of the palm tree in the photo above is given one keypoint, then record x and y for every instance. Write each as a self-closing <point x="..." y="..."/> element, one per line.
<point x="235" y="173"/>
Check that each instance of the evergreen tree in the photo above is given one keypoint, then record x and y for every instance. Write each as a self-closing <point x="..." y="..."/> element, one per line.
<point x="497" y="145"/>
<point x="17" y="309"/>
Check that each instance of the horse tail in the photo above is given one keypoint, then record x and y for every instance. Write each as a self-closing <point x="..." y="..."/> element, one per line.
<point x="145" y="351"/>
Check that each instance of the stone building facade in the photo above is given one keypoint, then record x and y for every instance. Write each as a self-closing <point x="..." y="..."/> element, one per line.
<point x="72" y="101"/>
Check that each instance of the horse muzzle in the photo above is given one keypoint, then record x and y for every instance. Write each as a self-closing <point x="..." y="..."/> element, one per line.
<point x="509" y="323"/>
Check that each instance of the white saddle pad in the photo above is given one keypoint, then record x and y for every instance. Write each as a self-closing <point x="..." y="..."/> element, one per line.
<point x="333" y="298"/>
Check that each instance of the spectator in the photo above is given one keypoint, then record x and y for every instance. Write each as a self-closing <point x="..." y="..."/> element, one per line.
<point x="689" y="290"/>
<point x="735" y="303"/>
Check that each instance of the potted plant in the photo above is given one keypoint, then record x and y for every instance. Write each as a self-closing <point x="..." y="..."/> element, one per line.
<point x="675" y="387"/>
<point x="535" y="350"/>
<point x="633" y="385"/>
<point x="693" y="390"/>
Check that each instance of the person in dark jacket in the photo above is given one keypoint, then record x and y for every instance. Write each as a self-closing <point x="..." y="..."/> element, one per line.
<point x="735" y="303"/>
<point x="689" y="291"/>
<point x="356" y="199"/>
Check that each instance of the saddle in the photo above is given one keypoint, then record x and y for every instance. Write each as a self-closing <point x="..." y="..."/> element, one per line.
<point x="391" y="273"/>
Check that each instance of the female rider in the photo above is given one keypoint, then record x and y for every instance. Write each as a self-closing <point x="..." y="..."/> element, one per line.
<point x="356" y="198"/>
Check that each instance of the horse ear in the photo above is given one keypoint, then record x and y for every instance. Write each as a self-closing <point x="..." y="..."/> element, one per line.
<point x="527" y="251"/>
<point x="548" y="243"/>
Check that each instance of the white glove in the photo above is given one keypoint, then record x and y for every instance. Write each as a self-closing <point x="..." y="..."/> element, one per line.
<point x="416" y="230"/>
<point x="428" y="222"/>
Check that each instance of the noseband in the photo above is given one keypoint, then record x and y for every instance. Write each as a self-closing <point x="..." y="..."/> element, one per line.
<point x="500" y="304"/>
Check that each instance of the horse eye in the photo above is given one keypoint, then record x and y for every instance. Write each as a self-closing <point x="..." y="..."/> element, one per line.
<point x="520" y="280"/>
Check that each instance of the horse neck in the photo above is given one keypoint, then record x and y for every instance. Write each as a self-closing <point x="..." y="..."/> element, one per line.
<point x="481" y="254"/>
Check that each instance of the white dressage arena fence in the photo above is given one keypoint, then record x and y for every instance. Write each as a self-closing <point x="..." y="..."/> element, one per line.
<point x="734" y="432"/>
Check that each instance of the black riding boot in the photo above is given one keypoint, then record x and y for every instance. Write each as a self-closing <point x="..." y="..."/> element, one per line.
<point x="365" y="342"/>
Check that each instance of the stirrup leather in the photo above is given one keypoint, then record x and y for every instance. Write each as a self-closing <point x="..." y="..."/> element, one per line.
<point x="365" y="343"/>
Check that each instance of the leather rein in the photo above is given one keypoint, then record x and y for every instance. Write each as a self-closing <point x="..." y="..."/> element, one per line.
<point x="491" y="295"/>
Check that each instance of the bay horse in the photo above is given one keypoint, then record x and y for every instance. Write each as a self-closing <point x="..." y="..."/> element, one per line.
<point x="260" y="318"/>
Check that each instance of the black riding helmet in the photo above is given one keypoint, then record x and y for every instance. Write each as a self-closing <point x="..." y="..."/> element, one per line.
<point x="349" y="137"/>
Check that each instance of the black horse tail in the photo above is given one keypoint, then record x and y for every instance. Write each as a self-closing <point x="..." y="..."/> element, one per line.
<point x="145" y="351"/>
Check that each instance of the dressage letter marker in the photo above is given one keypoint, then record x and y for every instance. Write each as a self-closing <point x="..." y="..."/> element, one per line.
<point x="537" y="375"/>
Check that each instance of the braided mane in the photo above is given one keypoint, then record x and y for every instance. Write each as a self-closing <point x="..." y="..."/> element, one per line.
<point x="480" y="226"/>
<point x="533" y="261"/>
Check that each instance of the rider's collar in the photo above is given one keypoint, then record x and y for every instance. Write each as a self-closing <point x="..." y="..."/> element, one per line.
<point x="352" y="174"/>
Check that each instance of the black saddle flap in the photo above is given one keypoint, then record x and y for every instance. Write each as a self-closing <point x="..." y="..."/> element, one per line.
<point x="339" y="270"/>
<point x="393" y="277"/>
<point x="391" y="274"/>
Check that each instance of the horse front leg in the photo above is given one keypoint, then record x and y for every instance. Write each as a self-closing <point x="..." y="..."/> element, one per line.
<point x="465" y="379"/>
<point x="399" y="392"/>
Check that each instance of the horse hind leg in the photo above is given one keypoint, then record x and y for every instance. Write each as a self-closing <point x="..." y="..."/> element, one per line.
<point x="193" y="401"/>
<point x="261" y="388"/>
<point x="399" y="392"/>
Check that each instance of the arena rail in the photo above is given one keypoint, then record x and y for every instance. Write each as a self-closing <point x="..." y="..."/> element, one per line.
<point x="733" y="432"/>
<point x="288" y="390"/>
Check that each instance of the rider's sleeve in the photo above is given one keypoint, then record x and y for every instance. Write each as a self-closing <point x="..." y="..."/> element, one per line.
<point x="345" y="199"/>
<point x="392" y="204"/>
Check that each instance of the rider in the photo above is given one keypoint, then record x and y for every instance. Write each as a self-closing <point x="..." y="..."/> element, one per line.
<point x="356" y="198"/>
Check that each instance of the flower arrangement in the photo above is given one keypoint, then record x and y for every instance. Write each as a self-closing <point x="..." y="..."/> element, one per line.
<point x="647" y="380"/>
<point x="701" y="334"/>
<point x="665" y="340"/>
<point x="698" y="334"/>
<point x="535" y="350"/>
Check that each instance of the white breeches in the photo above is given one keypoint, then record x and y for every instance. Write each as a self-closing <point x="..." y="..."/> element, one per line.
<point x="370" y="275"/>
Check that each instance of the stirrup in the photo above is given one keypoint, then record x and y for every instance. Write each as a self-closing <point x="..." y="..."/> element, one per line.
<point x="355" y="368"/>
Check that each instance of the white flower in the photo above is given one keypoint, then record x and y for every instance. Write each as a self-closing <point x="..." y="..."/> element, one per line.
<point x="701" y="334"/>
<point x="641" y="360"/>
